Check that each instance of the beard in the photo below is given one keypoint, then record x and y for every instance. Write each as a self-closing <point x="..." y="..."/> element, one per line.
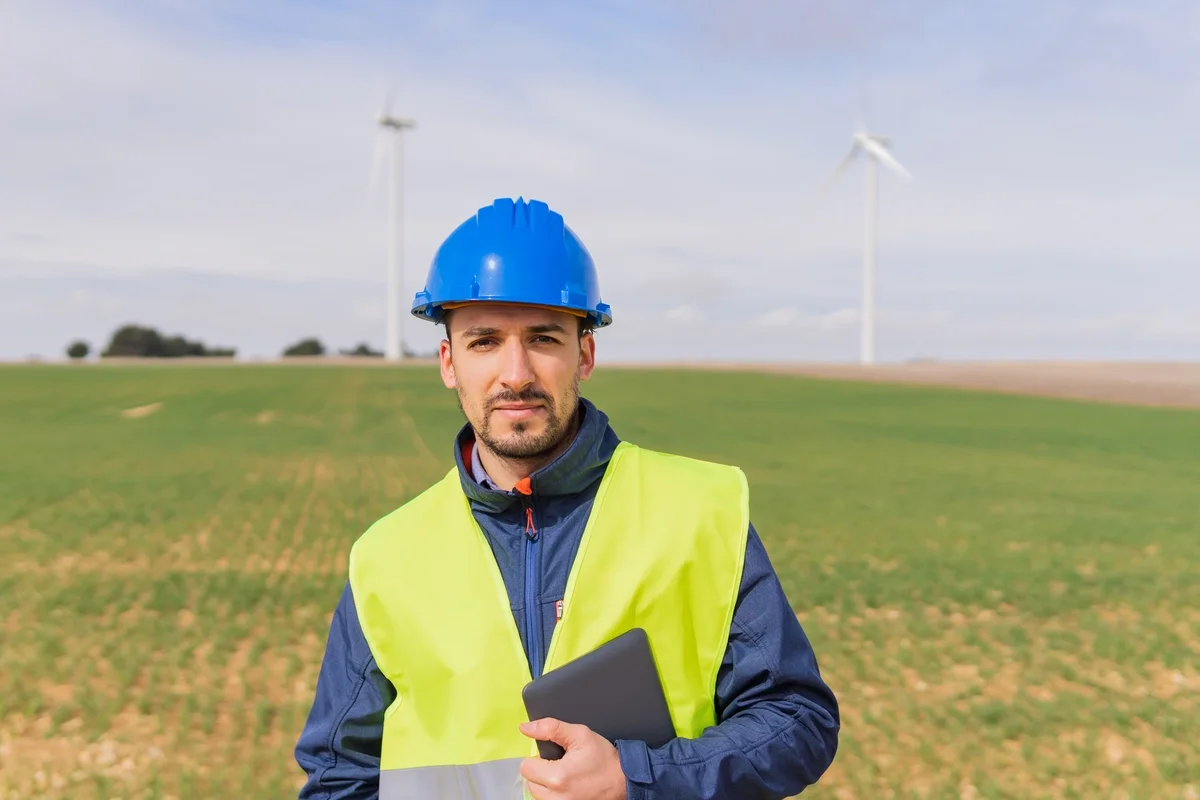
<point x="522" y="442"/>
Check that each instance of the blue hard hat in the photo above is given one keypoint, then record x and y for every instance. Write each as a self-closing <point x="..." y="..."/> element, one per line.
<point x="513" y="252"/>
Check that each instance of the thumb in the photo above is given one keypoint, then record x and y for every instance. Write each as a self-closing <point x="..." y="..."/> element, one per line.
<point x="549" y="729"/>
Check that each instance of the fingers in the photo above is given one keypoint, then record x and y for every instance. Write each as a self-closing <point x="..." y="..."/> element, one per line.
<point x="547" y="778"/>
<point x="553" y="730"/>
<point x="590" y="768"/>
<point x="543" y="775"/>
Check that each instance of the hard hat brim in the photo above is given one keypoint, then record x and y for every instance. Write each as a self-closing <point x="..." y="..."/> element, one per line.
<point x="574" y="311"/>
<point x="600" y="317"/>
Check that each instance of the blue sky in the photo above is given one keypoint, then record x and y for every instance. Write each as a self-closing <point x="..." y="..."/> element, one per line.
<point x="204" y="168"/>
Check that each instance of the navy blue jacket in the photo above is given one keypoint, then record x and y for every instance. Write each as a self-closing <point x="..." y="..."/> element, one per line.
<point x="778" y="720"/>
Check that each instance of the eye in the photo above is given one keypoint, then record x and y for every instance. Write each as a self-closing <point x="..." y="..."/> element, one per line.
<point x="478" y="344"/>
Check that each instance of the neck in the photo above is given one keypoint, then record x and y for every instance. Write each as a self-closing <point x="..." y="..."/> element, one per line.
<point x="507" y="472"/>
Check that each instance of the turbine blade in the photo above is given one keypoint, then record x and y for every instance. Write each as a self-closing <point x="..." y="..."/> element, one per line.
<point x="842" y="166"/>
<point x="890" y="161"/>
<point x="386" y="109"/>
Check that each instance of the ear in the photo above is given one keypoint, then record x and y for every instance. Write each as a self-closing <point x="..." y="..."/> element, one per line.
<point x="587" y="356"/>
<point x="447" y="365"/>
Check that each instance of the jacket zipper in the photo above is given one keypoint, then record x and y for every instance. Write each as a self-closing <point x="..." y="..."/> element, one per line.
<point x="533" y="624"/>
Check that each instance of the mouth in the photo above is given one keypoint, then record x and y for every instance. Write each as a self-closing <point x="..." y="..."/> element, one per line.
<point x="518" y="410"/>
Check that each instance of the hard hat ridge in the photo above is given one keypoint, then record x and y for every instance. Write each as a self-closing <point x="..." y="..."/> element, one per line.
<point x="513" y="252"/>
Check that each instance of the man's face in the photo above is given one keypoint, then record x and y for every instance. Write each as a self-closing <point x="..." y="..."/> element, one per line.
<point x="516" y="370"/>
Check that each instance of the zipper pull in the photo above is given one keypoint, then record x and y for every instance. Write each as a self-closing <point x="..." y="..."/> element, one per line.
<point x="530" y="528"/>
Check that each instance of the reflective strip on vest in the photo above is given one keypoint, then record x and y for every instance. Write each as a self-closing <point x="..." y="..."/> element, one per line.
<point x="491" y="780"/>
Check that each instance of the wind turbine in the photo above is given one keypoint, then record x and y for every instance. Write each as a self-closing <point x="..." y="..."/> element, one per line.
<point x="875" y="148"/>
<point x="394" y="126"/>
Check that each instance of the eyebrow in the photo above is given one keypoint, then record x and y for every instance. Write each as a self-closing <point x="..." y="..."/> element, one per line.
<point x="480" y="330"/>
<point x="547" y="327"/>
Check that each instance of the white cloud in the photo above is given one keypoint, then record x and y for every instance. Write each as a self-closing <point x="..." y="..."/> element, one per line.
<point x="838" y="320"/>
<point x="173" y="139"/>
<point x="373" y="311"/>
<point x="683" y="314"/>
<point x="778" y="318"/>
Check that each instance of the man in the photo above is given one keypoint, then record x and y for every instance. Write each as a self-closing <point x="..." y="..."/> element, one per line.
<point x="549" y="521"/>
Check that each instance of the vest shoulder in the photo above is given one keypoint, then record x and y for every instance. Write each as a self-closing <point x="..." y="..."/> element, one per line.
<point x="685" y="470"/>
<point x="401" y="521"/>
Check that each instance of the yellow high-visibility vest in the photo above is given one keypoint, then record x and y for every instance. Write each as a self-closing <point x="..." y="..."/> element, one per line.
<point x="663" y="550"/>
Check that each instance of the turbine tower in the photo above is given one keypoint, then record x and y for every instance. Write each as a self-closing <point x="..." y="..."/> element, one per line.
<point x="395" y="126"/>
<point x="875" y="148"/>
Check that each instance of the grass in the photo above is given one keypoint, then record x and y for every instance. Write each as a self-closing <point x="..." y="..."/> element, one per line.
<point x="1004" y="592"/>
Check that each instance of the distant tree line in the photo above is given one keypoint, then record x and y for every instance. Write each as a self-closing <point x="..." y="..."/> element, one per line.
<point x="139" y="341"/>
<point x="313" y="347"/>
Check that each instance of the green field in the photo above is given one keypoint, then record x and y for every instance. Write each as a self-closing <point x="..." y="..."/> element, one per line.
<point x="1004" y="592"/>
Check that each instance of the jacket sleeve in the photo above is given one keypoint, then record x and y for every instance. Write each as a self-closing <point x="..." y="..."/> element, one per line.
<point x="778" y="721"/>
<point x="339" y="747"/>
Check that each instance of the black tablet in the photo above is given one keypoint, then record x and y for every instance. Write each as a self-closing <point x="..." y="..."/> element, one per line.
<point x="615" y="690"/>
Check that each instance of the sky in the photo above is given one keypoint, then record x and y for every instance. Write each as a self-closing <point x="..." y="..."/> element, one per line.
<point x="205" y="168"/>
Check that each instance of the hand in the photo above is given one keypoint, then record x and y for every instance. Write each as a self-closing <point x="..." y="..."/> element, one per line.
<point x="590" y="769"/>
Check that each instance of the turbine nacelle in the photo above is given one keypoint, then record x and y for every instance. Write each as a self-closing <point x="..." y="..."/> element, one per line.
<point x="861" y="138"/>
<point x="875" y="146"/>
<point x="389" y="121"/>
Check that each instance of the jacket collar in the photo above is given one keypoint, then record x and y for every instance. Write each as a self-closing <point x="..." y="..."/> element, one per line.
<point x="578" y="467"/>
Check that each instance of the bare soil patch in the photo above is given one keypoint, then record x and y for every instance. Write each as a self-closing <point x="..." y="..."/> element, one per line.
<point x="138" y="412"/>
<point x="1137" y="383"/>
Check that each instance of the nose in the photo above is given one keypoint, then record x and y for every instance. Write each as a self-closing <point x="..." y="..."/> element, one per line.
<point x="517" y="371"/>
